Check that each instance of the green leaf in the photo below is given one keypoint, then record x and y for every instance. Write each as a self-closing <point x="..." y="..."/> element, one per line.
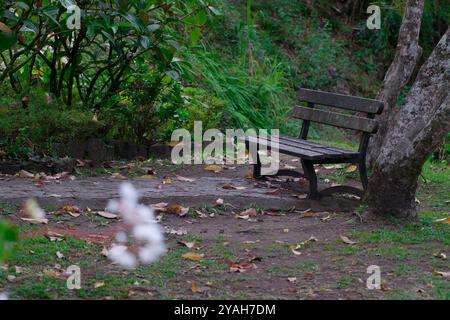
<point x="195" y="35"/>
<point x="7" y="40"/>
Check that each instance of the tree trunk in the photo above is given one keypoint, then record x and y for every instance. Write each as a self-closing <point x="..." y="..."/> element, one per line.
<point x="407" y="55"/>
<point x="420" y="126"/>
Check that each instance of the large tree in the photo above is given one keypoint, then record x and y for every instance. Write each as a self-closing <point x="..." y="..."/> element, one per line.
<point x="399" y="73"/>
<point x="420" y="126"/>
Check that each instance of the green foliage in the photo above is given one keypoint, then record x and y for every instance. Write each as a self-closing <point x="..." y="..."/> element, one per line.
<point x="41" y="125"/>
<point x="8" y="238"/>
<point x="97" y="57"/>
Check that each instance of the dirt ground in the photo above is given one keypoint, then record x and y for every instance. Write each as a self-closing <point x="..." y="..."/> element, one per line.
<point x="284" y="247"/>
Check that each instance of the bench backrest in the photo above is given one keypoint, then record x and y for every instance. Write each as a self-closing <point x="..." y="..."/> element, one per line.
<point x="365" y="124"/>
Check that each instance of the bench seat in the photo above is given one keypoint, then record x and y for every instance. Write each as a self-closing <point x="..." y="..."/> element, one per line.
<point x="310" y="150"/>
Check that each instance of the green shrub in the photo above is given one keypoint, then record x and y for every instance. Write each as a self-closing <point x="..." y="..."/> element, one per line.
<point x="36" y="128"/>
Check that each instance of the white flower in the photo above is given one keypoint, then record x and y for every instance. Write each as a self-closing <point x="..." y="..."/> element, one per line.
<point x="121" y="255"/>
<point x="142" y="226"/>
<point x="33" y="211"/>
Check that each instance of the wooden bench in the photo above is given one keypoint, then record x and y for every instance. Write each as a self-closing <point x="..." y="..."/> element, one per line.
<point x="312" y="153"/>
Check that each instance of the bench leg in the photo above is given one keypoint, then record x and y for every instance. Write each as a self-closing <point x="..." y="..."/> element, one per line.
<point x="363" y="174"/>
<point x="308" y="168"/>
<point x="257" y="170"/>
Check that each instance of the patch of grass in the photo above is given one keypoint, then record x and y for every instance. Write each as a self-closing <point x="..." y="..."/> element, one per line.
<point x="40" y="250"/>
<point x="7" y="208"/>
<point x="395" y="252"/>
<point x="45" y="288"/>
<point x="220" y="249"/>
<point x="400" y="294"/>
<point x="278" y="249"/>
<point x="343" y="283"/>
<point x="434" y="186"/>
<point x="408" y="232"/>
<point x="294" y="269"/>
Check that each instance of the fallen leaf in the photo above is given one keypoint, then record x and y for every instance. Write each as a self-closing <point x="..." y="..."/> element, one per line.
<point x="273" y="191"/>
<point x="160" y="206"/>
<point x="445" y="275"/>
<point x="441" y="255"/>
<point x="35" y="221"/>
<point x="80" y="163"/>
<point x="54" y="236"/>
<point x="70" y="209"/>
<point x="231" y="187"/>
<point x="213" y="167"/>
<point x="251" y="212"/>
<point x="107" y="215"/>
<point x="192" y="256"/>
<point x="189" y="245"/>
<point x="351" y="169"/>
<point x="99" y="284"/>
<point x="443" y="220"/>
<point x="147" y="177"/>
<point x="167" y="180"/>
<point x="219" y="202"/>
<point x="11" y="278"/>
<point x="252" y="257"/>
<point x="292" y="280"/>
<point x="25" y="174"/>
<point x="117" y="175"/>
<point x="177" y="209"/>
<point x="51" y="273"/>
<point x="297" y="253"/>
<point x="184" y="179"/>
<point x="54" y="195"/>
<point x="347" y="240"/>
<point x="239" y="268"/>
<point x="18" y="269"/>
<point x="195" y="288"/>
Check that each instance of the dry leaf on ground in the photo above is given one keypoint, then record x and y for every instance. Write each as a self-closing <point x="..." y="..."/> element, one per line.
<point x="107" y="215"/>
<point x="443" y="220"/>
<point x="347" y="240"/>
<point x="177" y="209"/>
<point x="192" y="256"/>
<point x="445" y="275"/>
<point x="184" y="179"/>
<point x="213" y="167"/>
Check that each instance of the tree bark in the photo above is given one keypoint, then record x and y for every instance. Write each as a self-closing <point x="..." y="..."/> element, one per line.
<point x="420" y="126"/>
<point x="399" y="73"/>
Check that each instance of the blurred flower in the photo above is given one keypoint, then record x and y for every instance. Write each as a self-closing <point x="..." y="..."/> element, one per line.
<point x="33" y="211"/>
<point x="141" y="226"/>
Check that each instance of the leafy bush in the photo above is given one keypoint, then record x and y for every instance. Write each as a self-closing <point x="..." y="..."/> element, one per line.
<point x="36" y="128"/>
<point x="38" y="42"/>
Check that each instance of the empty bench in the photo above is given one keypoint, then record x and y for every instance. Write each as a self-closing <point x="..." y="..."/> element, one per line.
<point x="312" y="153"/>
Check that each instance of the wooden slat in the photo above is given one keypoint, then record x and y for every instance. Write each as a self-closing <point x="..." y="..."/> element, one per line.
<point x="290" y="150"/>
<point x="341" y="101"/>
<point x="336" y="119"/>
<point x="320" y="146"/>
<point x="300" y="144"/>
